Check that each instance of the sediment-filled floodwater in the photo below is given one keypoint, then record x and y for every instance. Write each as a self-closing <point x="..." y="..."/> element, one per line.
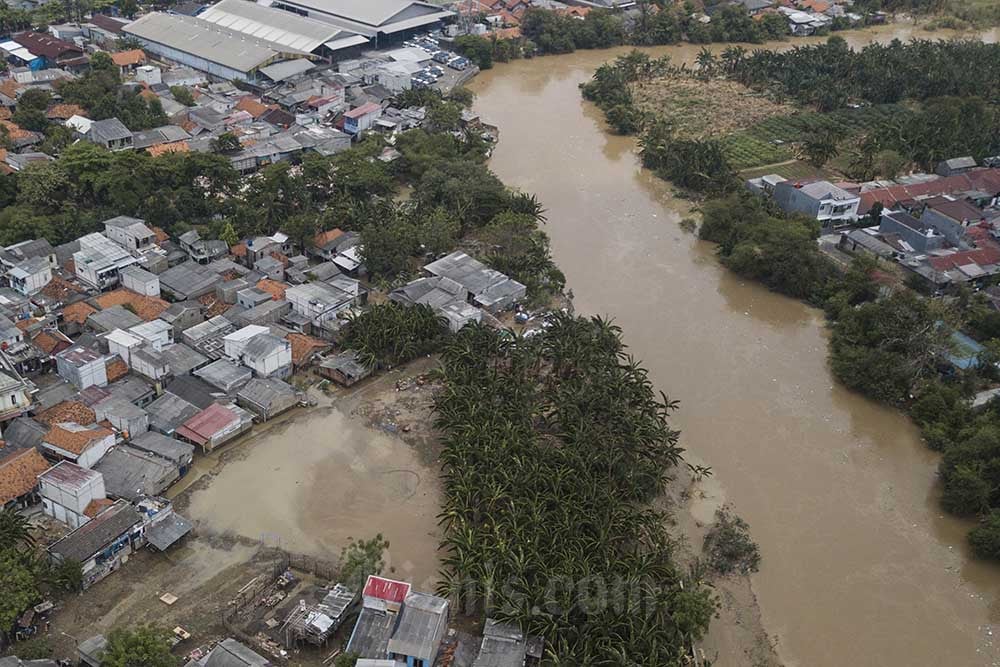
<point x="860" y="565"/>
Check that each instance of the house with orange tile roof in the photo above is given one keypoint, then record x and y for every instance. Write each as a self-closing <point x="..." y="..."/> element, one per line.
<point x="19" y="471"/>
<point x="75" y="316"/>
<point x="305" y="348"/>
<point x="67" y="411"/>
<point x="175" y="147"/>
<point x="82" y="445"/>
<point x="65" y="111"/>
<point x="275" y="288"/>
<point x="147" y="308"/>
<point x="129" y="60"/>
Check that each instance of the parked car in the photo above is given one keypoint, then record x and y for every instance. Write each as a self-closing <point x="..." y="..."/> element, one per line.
<point x="442" y="57"/>
<point x="458" y="63"/>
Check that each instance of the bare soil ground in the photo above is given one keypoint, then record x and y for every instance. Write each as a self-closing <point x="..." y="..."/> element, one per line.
<point x="700" y="108"/>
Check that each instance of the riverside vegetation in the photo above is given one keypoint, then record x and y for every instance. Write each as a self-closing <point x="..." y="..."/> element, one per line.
<point x="888" y="341"/>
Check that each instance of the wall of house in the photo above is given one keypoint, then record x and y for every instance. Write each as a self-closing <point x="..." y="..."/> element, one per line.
<point x="144" y="366"/>
<point x="276" y="364"/>
<point x="86" y="375"/>
<point x="123" y="350"/>
<point x="141" y="284"/>
<point x="95" y="452"/>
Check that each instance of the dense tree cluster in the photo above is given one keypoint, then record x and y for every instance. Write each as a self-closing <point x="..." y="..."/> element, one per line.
<point x="831" y="75"/>
<point x="25" y="576"/>
<point x="101" y="94"/>
<point x="390" y="334"/>
<point x="566" y="415"/>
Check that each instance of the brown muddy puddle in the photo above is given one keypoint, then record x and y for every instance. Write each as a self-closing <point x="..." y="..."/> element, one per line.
<point x="310" y="485"/>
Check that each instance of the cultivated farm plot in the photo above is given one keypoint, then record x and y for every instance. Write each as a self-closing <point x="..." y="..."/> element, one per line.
<point x="775" y="139"/>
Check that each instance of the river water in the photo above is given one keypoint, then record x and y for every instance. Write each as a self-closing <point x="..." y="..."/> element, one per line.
<point x="860" y="566"/>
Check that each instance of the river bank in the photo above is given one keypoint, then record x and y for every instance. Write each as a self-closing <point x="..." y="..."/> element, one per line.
<point x="859" y="565"/>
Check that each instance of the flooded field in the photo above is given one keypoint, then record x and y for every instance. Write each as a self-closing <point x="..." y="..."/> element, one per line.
<point x="860" y="566"/>
<point x="312" y="483"/>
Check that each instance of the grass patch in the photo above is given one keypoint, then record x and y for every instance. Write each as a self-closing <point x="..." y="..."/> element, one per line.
<point x="698" y="109"/>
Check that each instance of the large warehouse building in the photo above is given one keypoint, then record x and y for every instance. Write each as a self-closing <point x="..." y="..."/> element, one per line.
<point x="319" y="38"/>
<point x="383" y="21"/>
<point x="210" y="48"/>
<point x="238" y="39"/>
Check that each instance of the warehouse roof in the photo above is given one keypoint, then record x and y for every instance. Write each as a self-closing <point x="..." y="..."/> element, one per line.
<point x="214" y="43"/>
<point x="287" y="69"/>
<point x="273" y="25"/>
<point x="369" y="17"/>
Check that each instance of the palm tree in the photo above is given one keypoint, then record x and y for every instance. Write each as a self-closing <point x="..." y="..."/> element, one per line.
<point x="15" y="531"/>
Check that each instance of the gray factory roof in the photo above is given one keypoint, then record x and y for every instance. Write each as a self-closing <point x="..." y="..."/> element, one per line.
<point x="170" y="411"/>
<point x="273" y="25"/>
<point x="369" y="17"/>
<point x="97" y="533"/>
<point x="132" y="473"/>
<point x="224" y="374"/>
<point x="473" y="275"/>
<point x="206" y="40"/>
<point x="169" y="448"/>
<point x="289" y="68"/>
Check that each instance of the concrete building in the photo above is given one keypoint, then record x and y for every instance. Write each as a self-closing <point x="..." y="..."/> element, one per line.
<point x="268" y="356"/>
<point x="267" y="397"/>
<point x="236" y="341"/>
<point x="292" y="30"/>
<point x="141" y="281"/>
<point x="82" y="445"/>
<point x="111" y="134"/>
<point x="219" y="51"/>
<point x="19" y="471"/>
<point x="361" y="118"/>
<point x="225" y="375"/>
<point x="99" y="262"/>
<point x="123" y="344"/>
<point x="133" y="474"/>
<point x="130" y="233"/>
<point x="31" y="275"/>
<point x="67" y="491"/>
<point x="156" y="333"/>
<point x="128" y="418"/>
<point x="181" y="454"/>
<point x="102" y="544"/>
<point x="822" y="201"/>
<point x="82" y="367"/>
<point x="382" y="21"/>
<point x="215" y="425"/>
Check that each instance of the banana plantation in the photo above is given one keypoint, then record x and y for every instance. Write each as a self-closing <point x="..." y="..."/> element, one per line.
<point x="555" y="448"/>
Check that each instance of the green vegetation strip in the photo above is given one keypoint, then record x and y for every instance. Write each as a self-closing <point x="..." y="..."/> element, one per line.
<point x="554" y="449"/>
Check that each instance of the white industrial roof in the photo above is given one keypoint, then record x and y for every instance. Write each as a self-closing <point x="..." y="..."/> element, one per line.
<point x="287" y="69"/>
<point x="215" y="43"/>
<point x="273" y="25"/>
<point x="369" y="17"/>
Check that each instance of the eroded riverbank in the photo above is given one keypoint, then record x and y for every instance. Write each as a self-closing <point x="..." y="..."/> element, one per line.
<point x="860" y="567"/>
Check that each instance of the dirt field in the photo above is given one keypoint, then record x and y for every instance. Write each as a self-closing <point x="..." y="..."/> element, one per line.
<point x="698" y="109"/>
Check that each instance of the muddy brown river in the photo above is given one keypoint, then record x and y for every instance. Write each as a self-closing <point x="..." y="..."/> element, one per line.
<point x="860" y="566"/>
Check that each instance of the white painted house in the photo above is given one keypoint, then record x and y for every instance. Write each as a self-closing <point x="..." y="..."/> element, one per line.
<point x="31" y="275"/>
<point x="82" y="367"/>
<point x="130" y="233"/>
<point x="157" y="333"/>
<point x="83" y="445"/>
<point x="123" y="343"/>
<point x="67" y="490"/>
<point x="100" y="261"/>
<point x="268" y="356"/>
<point x="141" y="281"/>
<point x="236" y="342"/>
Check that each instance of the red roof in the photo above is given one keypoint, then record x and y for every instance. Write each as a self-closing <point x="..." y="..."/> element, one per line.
<point x="977" y="179"/>
<point x="363" y="110"/>
<point x="389" y="590"/>
<point x="208" y="422"/>
<point x="989" y="253"/>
